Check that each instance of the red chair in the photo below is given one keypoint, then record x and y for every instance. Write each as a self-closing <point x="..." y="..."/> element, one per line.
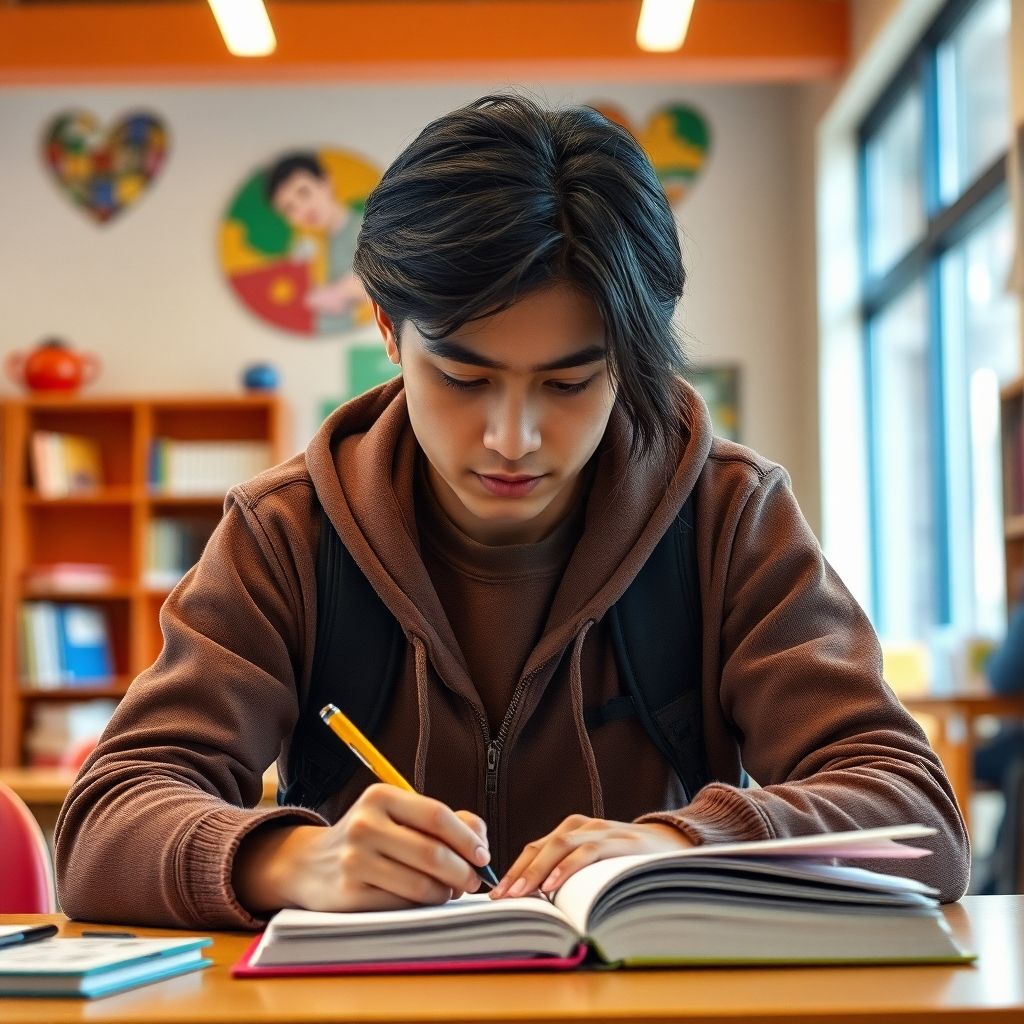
<point x="74" y="758"/>
<point x="26" y="875"/>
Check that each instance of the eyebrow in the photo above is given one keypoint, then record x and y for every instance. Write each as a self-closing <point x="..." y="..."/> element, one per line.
<point x="460" y="354"/>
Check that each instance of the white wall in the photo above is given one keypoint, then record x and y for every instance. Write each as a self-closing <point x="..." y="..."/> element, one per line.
<point x="146" y="293"/>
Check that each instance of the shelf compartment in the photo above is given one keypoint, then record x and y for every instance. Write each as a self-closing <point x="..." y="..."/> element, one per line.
<point x="110" y="427"/>
<point x="56" y="532"/>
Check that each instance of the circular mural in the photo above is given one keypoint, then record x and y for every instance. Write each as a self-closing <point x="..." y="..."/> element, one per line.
<point x="288" y="238"/>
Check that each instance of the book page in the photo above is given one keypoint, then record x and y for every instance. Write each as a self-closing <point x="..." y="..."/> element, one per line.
<point x="470" y="905"/>
<point x="578" y="895"/>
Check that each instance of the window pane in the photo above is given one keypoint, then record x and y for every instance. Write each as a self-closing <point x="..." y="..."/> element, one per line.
<point x="895" y="205"/>
<point x="974" y="96"/>
<point x="982" y="353"/>
<point x="903" y="499"/>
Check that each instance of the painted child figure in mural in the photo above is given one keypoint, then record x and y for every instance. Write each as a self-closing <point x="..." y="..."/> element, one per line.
<point x="301" y="191"/>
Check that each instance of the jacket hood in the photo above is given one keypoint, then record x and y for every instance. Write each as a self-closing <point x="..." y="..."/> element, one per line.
<point x="362" y="463"/>
<point x="363" y="466"/>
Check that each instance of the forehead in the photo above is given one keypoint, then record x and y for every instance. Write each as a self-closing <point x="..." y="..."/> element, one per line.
<point x="296" y="184"/>
<point x="540" y="328"/>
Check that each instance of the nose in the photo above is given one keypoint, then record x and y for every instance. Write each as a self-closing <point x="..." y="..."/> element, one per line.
<point x="513" y="427"/>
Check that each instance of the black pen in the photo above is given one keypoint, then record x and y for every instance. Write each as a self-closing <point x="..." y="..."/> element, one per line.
<point x="31" y="934"/>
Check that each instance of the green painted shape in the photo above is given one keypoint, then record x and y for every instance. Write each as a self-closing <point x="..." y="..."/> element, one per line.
<point x="368" y="366"/>
<point x="689" y="125"/>
<point x="265" y="231"/>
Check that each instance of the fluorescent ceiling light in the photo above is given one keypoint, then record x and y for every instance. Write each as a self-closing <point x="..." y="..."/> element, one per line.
<point x="245" y="26"/>
<point x="663" y="24"/>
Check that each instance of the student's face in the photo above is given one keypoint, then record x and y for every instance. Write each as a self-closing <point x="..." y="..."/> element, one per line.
<point x="306" y="201"/>
<point x="506" y="442"/>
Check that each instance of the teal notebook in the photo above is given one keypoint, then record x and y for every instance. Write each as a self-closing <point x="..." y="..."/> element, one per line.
<point x="94" y="967"/>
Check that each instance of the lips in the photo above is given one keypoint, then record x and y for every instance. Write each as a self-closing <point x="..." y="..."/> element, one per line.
<point x="509" y="486"/>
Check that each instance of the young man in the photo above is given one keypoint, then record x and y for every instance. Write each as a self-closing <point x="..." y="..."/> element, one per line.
<point x="300" y="190"/>
<point x="500" y="498"/>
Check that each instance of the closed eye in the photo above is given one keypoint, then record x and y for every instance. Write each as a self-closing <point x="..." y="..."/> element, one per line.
<point x="565" y="388"/>
<point x="459" y="385"/>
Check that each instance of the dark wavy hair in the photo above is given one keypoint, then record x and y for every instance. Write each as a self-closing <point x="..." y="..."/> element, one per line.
<point x="501" y="198"/>
<point x="286" y="166"/>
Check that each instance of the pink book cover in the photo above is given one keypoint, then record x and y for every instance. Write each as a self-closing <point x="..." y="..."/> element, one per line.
<point x="243" y="969"/>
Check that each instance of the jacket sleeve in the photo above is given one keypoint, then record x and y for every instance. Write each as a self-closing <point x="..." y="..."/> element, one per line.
<point x="820" y="731"/>
<point x="149" y="830"/>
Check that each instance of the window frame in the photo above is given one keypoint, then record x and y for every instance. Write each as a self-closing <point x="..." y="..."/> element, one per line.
<point x="945" y="227"/>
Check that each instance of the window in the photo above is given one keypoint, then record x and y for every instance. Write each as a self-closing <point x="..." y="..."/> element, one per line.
<point x="894" y="178"/>
<point x="941" y="332"/>
<point x="973" y="95"/>
<point x="980" y="338"/>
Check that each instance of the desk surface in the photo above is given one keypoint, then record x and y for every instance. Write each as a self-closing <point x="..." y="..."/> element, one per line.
<point x="977" y="702"/>
<point x="992" y="989"/>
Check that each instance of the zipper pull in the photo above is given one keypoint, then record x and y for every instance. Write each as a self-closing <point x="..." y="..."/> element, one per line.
<point x="493" y="752"/>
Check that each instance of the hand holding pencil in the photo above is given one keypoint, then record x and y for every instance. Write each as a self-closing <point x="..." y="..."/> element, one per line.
<point x="393" y="848"/>
<point x="345" y="729"/>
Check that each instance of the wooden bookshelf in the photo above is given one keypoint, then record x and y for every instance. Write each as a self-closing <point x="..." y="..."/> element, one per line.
<point x="108" y="525"/>
<point x="1011" y="419"/>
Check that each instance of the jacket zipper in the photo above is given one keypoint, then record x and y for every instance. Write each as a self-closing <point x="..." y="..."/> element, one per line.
<point x="494" y="748"/>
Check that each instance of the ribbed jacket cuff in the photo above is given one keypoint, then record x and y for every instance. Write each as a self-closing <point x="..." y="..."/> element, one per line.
<point x="718" y="814"/>
<point x="206" y="857"/>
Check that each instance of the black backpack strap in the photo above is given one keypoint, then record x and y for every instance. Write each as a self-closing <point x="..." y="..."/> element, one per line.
<point x="657" y="634"/>
<point x="356" y="661"/>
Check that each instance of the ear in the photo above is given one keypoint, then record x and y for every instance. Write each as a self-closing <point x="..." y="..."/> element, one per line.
<point x="387" y="332"/>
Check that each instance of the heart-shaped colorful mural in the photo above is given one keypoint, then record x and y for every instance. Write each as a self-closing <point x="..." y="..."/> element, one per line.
<point x="676" y="138"/>
<point x="105" y="171"/>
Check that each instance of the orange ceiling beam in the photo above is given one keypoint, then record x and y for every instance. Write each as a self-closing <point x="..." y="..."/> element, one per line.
<point x="431" y="40"/>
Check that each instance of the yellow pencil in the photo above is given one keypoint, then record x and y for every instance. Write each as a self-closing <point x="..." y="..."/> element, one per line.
<point x="346" y="730"/>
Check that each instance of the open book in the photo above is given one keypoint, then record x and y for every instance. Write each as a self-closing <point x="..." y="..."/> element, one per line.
<point x="780" y="901"/>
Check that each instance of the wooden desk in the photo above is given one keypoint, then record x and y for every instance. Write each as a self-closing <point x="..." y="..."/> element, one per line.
<point x="955" y="715"/>
<point x="992" y="989"/>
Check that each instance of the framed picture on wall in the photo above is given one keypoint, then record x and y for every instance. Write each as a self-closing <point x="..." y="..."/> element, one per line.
<point x="719" y="386"/>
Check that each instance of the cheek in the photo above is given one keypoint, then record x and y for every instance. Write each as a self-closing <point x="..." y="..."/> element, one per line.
<point x="440" y="423"/>
<point x="589" y="426"/>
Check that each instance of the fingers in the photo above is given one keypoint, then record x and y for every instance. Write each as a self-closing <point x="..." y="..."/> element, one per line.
<point x="476" y="823"/>
<point x="418" y="834"/>
<point x="579" y="841"/>
<point x="433" y="818"/>
<point x="411" y="887"/>
<point x="540" y="857"/>
<point x="431" y="858"/>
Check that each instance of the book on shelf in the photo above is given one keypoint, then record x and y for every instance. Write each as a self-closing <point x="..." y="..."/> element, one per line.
<point x="57" y="727"/>
<point x="64" y="644"/>
<point x="173" y="546"/>
<point x="93" y="967"/>
<point x="71" y="576"/>
<point x="778" y="901"/>
<point x="65" y="464"/>
<point x="204" y="468"/>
